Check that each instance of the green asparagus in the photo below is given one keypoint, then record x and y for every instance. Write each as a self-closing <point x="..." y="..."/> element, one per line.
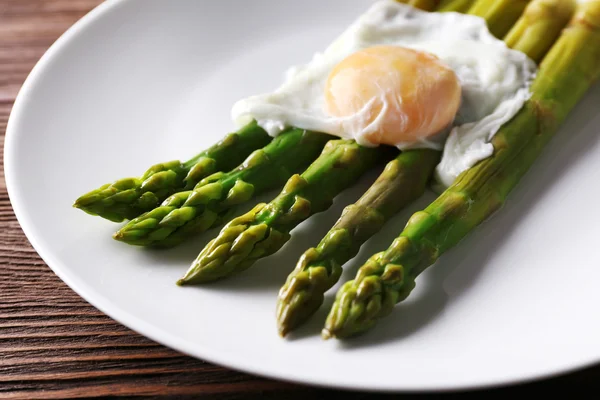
<point x="569" y="70"/>
<point x="403" y="181"/>
<point x="130" y="197"/>
<point x="266" y="228"/>
<point x="190" y="212"/>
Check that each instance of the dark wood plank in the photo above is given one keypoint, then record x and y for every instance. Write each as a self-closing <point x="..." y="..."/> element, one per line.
<point x="54" y="345"/>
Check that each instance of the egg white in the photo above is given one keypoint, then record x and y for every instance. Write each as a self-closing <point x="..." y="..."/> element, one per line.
<point x="495" y="83"/>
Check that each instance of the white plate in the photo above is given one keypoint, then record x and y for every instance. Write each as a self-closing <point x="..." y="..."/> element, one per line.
<point x="142" y="81"/>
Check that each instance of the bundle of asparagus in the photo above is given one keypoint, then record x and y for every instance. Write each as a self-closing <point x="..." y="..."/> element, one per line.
<point x="174" y="200"/>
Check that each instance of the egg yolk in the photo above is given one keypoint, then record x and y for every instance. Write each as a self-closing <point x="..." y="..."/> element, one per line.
<point x="393" y="95"/>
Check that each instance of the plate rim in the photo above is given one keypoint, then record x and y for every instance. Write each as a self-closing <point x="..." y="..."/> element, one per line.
<point x="157" y="334"/>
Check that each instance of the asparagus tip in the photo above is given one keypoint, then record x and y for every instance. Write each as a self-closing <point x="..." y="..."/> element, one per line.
<point x="82" y="201"/>
<point x="194" y="276"/>
<point x="119" y="236"/>
<point x="283" y="331"/>
<point x="186" y="280"/>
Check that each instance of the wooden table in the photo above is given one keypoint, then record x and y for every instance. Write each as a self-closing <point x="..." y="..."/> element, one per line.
<point x="53" y="344"/>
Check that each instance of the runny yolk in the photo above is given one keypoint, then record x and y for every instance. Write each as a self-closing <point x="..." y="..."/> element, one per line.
<point x="392" y="94"/>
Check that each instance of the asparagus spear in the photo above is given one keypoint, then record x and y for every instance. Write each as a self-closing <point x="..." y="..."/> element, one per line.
<point x="189" y="212"/>
<point x="567" y="72"/>
<point x="403" y="181"/>
<point x="266" y="228"/>
<point x="128" y="198"/>
<point x="500" y="22"/>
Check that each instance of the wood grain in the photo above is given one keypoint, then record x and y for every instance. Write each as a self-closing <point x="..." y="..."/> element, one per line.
<point x="54" y="345"/>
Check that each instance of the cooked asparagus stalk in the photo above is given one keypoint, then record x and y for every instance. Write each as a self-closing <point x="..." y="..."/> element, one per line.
<point x="130" y="197"/>
<point x="403" y="181"/>
<point x="193" y="211"/>
<point x="266" y="228"/>
<point x="500" y="22"/>
<point x="568" y="71"/>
